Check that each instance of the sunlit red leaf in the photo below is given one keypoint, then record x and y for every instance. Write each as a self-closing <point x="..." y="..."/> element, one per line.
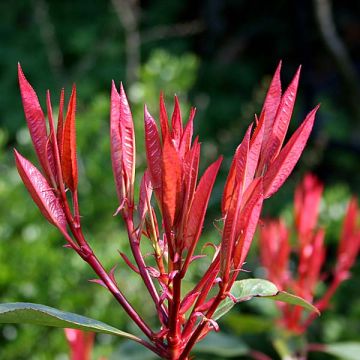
<point x="283" y="165"/>
<point x="145" y="194"/>
<point x="127" y="138"/>
<point x="271" y="103"/>
<point x="282" y="118"/>
<point x="199" y="205"/>
<point x="249" y="218"/>
<point x="60" y="123"/>
<point x="164" y="121"/>
<point x="41" y="192"/>
<point x="115" y="141"/>
<point x="237" y="171"/>
<point x="68" y="156"/>
<point x="153" y="152"/>
<point x="176" y="123"/>
<point x="36" y="121"/>
<point x="186" y="138"/>
<point x="171" y="179"/>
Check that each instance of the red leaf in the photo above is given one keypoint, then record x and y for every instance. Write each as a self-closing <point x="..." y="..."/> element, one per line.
<point x="284" y="163"/>
<point x="282" y="119"/>
<point x="127" y="139"/>
<point x="145" y="195"/>
<point x="186" y="138"/>
<point x="60" y="123"/>
<point x="176" y="123"/>
<point x="35" y="119"/>
<point x="229" y="231"/>
<point x="237" y="171"/>
<point x="164" y="121"/>
<point x="171" y="181"/>
<point x="41" y="192"/>
<point x="271" y="104"/>
<point x="249" y="218"/>
<point x="153" y="152"/>
<point x="116" y="147"/>
<point x="199" y="204"/>
<point x="254" y="152"/>
<point x="68" y="157"/>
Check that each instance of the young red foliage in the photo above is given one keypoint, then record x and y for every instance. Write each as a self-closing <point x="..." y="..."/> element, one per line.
<point x="257" y="171"/>
<point x="68" y="155"/>
<point x="275" y="252"/>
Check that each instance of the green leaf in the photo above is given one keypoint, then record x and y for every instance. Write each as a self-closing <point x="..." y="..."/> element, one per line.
<point x="294" y="300"/>
<point x="244" y="290"/>
<point x="344" y="351"/>
<point x="28" y="313"/>
<point x="222" y="345"/>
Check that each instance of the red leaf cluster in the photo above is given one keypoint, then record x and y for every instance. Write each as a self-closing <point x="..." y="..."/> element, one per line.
<point x="275" y="250"/>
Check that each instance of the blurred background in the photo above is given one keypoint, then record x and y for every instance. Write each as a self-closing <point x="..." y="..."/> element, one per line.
<point x="216" y="55"/>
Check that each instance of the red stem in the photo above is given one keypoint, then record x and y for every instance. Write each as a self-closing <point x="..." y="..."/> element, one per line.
<point x="135" y="248"/>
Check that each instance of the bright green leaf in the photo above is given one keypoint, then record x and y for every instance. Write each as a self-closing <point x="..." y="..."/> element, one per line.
<point x="244" y="290"/>
<point x="28" y="313"/>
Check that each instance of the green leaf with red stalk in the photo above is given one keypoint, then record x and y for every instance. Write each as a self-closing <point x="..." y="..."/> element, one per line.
<point x="244" y="290"/>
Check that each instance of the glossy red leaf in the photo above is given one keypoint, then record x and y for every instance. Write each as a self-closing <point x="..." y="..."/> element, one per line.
<point x="68" y="156"/>
<point x="237" y="171"/>
<point x="164" y="121"/>
<point x="60" y="123"/>
<point x="282" y="119"/>
<point x="41" y="192"/>
<point x="229" y="231"/>
<point x="271" y="104"/>
<point x="127" y="138"/>
<point x="283" y="165"/>
<point x="116" y="146"/>
<point x="199" y="204"/>
<point x="145" y="195"/>
<point x="187" y="135"/>
<point x="176" y="123"/>
<point x="153" y="152"/>
<point x="249" y="218"/>
<point x="254" y="152"/>
<point x="171" y="181"/>
<point x="36" y="121"/>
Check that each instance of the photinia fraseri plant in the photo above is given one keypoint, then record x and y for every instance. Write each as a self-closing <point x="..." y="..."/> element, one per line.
<point x="169" y="211"/>
<point x="276" y="249"/>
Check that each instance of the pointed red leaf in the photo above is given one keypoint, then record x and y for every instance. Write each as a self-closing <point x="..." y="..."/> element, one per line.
<point x="271" y="104"/>
<point x="145" y="195"/>
<point x="186" y="138"/>
<point x="41" y="192"/>
<point x="115" y="141"/>
<point x="176" y="123"/>
<point x="171" y="181"/>
<point x="284" y="163"/>
<point x="51" y="146"/>
<point x="229" y="231"/>
<point x="60" y="123"/>
<point x="127" y="139"/>
<point x="282" y="119"/>
<point x="237" y="171"/>
<point x="164" y="121"/>
<point x="199" y="204"/>
<point x="254" y="152"/>
<point x="153" y="152"/>
<point x="68" y="157"/>
<point x="248" y="221"/>
<point x="35" y="119"/>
